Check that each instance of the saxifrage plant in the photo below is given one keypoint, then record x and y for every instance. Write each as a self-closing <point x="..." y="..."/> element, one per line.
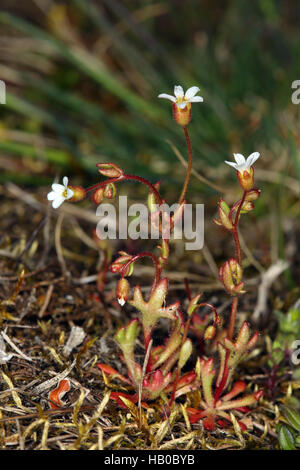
<point x="159" y="375"/>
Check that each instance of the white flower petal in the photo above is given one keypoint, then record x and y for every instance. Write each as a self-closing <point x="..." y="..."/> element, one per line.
<point x="234" y="165"/>
<point x="57" y="202"/>
<point x="58" y="188"/>
<point x="121" y="301"/>
<point x="70" y="193"/>
<point x="51" y="196"/>
<point x="65" y="181"/>
<point x="168" y="97"/>
<point x="252" y="158"/>
<point x="191" y="92"/>
<point x="239" y="158"/>
<point x="196" y="99"/>
<point x="178" y="91"/>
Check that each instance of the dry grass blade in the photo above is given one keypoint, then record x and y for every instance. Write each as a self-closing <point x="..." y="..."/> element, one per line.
<point x="14" y="394"/>
<point x="84" y="429"/>
<point x="164" y="427"/>
<point x="180" y="440"/>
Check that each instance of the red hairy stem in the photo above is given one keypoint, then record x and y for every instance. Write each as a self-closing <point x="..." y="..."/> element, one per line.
<point x="205" y="304"/>
<point x="127" y="178"/>
<point x="189" y="168"/>
<point x="235" y="229"/>
<point x="144" y="254"/>
<point x="239" y="259"/>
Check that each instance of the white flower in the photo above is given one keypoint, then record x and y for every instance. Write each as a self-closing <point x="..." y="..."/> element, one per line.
<point x="60" y="193"/>
<point x="241" y="163"/>
<point x="180" y="98"/>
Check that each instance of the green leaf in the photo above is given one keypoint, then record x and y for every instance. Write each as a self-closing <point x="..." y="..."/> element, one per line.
<point x="292" y="416"/>
<point x="286" y="439"/>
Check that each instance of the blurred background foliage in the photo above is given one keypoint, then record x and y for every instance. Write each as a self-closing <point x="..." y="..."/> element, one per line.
<point x="83" y="78"/>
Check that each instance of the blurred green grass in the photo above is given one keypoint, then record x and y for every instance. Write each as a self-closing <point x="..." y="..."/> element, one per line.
<point x="83" y="79"/>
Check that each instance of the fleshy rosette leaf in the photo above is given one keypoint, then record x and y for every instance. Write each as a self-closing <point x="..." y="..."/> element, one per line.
<point x="126" y="337"/>
<point x="155" y="384"/>
<point x="237" y="351"/>
<point x="154" y="309"/>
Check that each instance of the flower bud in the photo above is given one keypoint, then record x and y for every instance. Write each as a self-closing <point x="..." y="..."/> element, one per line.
<point x="78" y="193"/>
<point x="98" y="196"/>
<point x="110" y="191"/>
<point x="223" y="211"/>
<point x="193" y="304"/>
<point x="118" y="264"/>
<point x="209" y="332"/>
<point x="246" y="178"/>
<point x="182" y="116"/>
<point x="122" y="291"/>
<point x="152" y="202"/>
<point x="252" y="195"/>
<point x="231" y="276"/>
<point x="110" y="170"/>
<point x="247" y="206"/>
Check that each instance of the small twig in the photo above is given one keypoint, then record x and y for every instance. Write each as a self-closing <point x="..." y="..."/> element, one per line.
<point x="13" y="346"/>
<point x="46" y="301"/>
<point x="16" y="278"/>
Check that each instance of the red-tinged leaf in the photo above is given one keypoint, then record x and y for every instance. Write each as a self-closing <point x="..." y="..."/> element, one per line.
<point x="186" y="379"/>
<point x="252" y="341"/>
<point x="209" y="423"/>
<point x="222" y="423"/>
<point x="242" y="426"/>
<point x="116" y="397"/>
<point x="111" y="371"/>
<point x="243" y="409"/>
<point x="238" y="388"/>
<point x="226" y="424"/>
<point x="195" y="418"/>
<point x="258" y="394"/>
